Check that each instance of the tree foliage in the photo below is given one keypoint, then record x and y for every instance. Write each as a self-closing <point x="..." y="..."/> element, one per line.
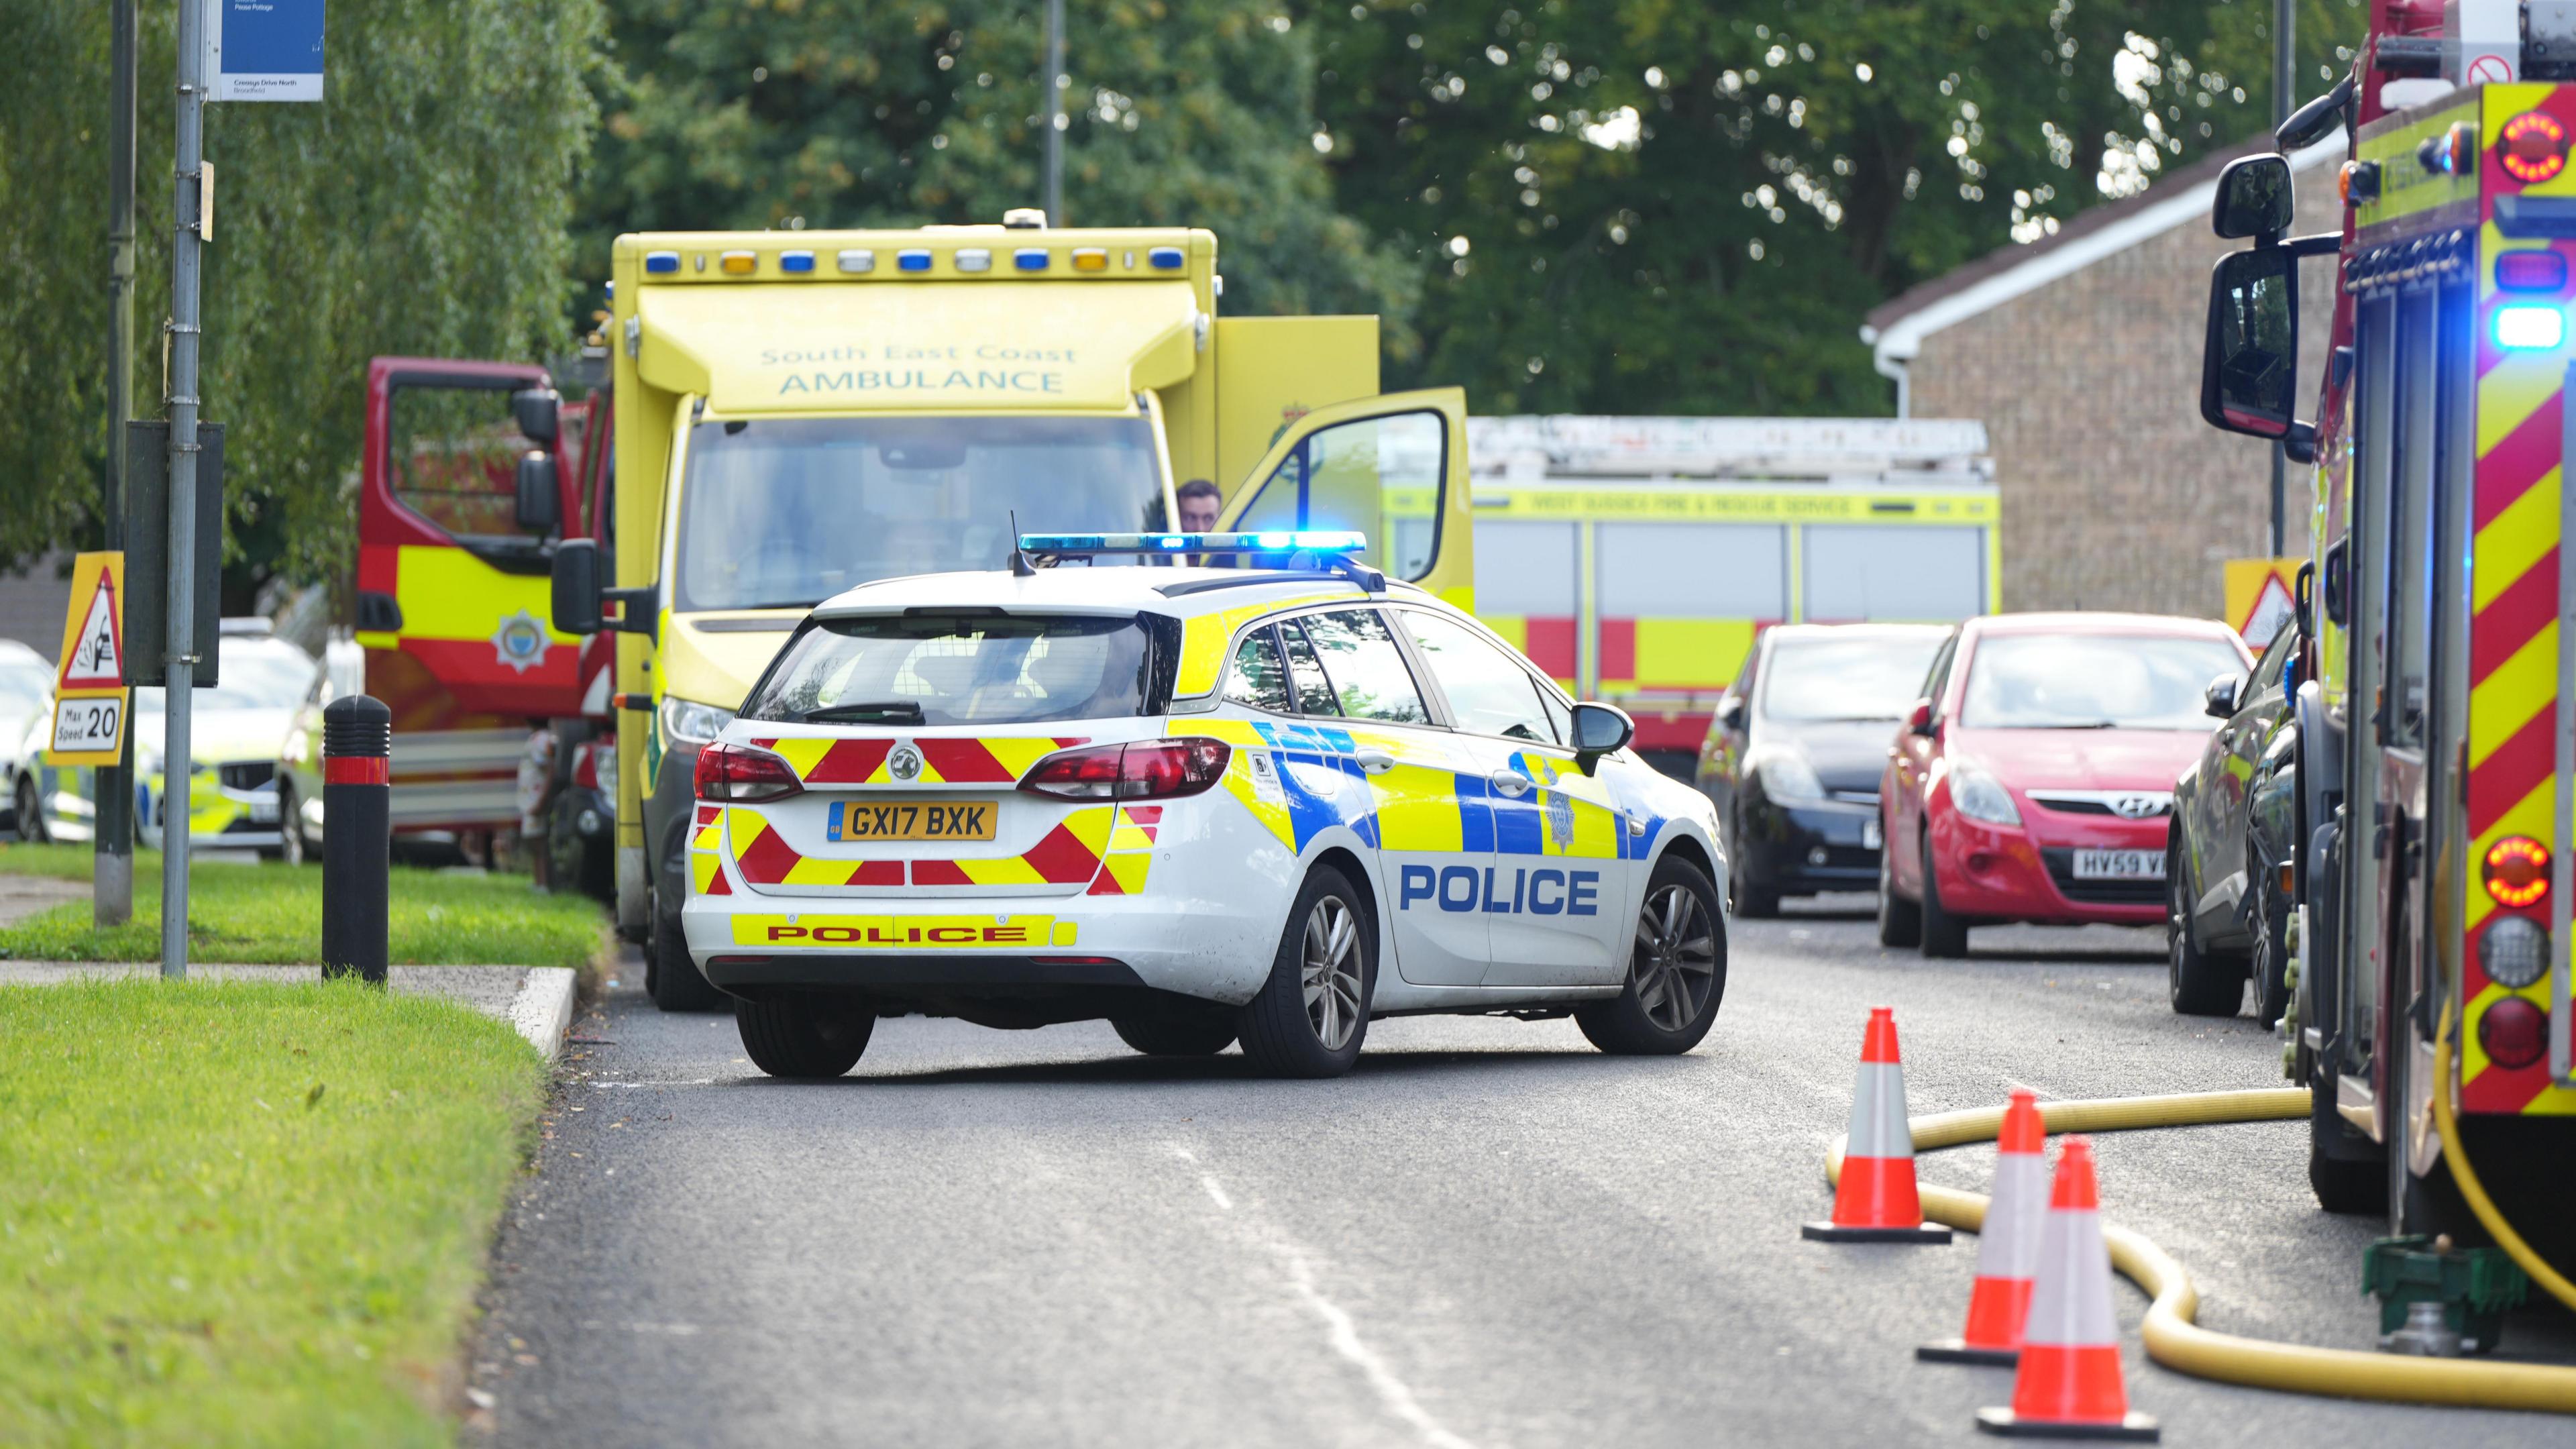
<point x="1643" y="206"/>
<point x="421" y="209"/>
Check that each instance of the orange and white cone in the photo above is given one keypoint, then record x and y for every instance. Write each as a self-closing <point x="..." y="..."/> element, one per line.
<point x="2007" y="1246"/>
<point x="1875" y="1200"/>
<point x="2068" y="1385"/>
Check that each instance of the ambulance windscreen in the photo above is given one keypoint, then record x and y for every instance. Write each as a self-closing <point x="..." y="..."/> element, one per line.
<point x="779" y="513"/>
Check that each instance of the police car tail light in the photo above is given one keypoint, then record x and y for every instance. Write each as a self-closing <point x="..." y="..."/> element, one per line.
<point x="744" y="776"/>
<point x="1150" y="769"/>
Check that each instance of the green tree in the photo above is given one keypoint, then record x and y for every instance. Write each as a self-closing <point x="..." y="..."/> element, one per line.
<point x="421" y="209"/>
<point x="840" y="113"/>
<point x="1639" y="206"/>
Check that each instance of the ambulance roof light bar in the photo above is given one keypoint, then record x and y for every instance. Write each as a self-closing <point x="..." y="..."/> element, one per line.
<point x="1332" y="551"/>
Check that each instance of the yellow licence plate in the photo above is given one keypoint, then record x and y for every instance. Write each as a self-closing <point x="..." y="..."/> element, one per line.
<point x="929" y="820"/>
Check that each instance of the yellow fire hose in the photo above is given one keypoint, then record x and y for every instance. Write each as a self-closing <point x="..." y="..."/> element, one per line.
<point x="2175" y="1341"/>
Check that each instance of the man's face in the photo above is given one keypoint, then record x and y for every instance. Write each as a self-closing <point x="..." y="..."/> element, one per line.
<point x="1198" y="514"/>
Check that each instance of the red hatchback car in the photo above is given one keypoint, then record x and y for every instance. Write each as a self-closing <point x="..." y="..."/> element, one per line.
<point x="2034" y="780"/>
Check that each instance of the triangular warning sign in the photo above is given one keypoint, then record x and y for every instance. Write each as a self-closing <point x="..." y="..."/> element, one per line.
<point x="2271" y="606"/>
<point x="96" y="659"/>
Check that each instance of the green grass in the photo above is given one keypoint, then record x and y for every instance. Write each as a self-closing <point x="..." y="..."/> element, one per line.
<point x="273" y="913"/>
<point x="245" y="1214"/>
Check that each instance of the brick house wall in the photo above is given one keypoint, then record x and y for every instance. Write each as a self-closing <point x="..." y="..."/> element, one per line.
<point x="2115" y="494"/>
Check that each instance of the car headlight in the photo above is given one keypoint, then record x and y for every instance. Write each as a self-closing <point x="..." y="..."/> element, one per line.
<point x="689" y="725"/>
<point x="1981" y="796"/>
<point x="1786" y="775"/>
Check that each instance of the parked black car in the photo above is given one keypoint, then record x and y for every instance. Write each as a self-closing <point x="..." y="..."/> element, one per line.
<point x="1794" y="753"/>
<point x="2228" y="881"/>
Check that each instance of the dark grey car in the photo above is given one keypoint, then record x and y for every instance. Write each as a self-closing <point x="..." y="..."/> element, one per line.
<point x="2235" y="818"/>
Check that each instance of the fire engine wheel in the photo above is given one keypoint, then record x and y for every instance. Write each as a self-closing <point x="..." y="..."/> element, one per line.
<point x="1944" y="935"/>
<point x="816" y="1038"/>
<point x="1900" y="921"/>
<point x="2197" y="983"/>
<point x="670" y="977"/>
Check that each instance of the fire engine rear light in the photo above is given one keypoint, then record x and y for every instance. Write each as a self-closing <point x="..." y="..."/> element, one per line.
<point x="744" y="776"/>
<point x="2532" y="147"/>
<point x="1165" y="259"/>
<point x="2514" y="1032"/>
<point x="2531" y="271"/>
<point x="857" y="260"/>
<point x="2513" y="951"/>
<point x="974" y="259"/>
<point x="2525" y="328"/>
<point x="2517" y="871"/>
<point x="796" y="263"/>
<point x="1091" y="259"/>
<point x="740" y="264"/>
<point x="1146" y="770"/>
<point x="1030" y="259"/>
<point x="661" y="263"/>
<point x="913" y="259"/>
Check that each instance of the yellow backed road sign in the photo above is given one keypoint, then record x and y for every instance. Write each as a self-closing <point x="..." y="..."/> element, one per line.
<point x="2260" y="594"/>
<point x="91" y="701"/>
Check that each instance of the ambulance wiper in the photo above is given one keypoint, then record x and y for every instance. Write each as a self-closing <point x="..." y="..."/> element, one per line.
<point x="903" y="711"/>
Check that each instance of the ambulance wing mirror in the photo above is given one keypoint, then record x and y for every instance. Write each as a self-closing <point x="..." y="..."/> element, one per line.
<point x="1599" y="729"/>
<point x="2253" y="198"/>
<point x="576" y="586"/>
<point x="540" y="506"/>
<point x="2250" y="357"/>
<point x="539" y="414"/>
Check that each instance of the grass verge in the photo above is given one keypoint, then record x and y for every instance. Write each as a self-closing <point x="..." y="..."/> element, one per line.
<point x="245" y="1214"/>
<point x="272" y="913"/>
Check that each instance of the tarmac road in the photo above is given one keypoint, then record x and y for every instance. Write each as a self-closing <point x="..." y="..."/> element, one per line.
<point x="1489" y="1234"/>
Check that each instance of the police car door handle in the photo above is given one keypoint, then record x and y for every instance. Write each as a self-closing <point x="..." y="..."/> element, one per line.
<point x="1375" y="761"/>
<point x="1510" y="782"/>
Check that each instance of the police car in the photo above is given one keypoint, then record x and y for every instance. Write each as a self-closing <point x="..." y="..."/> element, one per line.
<point x="1262" y="804"/>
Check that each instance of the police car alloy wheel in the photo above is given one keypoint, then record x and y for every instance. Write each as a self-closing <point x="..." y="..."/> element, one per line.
<point x="1676" y="970"/>
<point x="1312" y="1014"/>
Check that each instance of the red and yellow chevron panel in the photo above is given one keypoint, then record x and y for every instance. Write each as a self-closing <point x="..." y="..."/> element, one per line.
<point x="1069" y="854"/>
<point x="1131" y="852"/>
<point x="999" y="760"/>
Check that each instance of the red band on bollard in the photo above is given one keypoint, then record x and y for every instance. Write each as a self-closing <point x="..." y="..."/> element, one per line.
<point x="357" y="770"/>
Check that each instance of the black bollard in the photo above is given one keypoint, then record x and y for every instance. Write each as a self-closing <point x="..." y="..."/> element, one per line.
<point x="357" y="835"/>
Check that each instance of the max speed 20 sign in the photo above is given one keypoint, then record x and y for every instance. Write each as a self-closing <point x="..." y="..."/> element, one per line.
<point x="90" y="698"/>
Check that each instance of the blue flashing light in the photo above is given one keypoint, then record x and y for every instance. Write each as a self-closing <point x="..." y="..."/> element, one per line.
<point x="915" y="260"/>
<point x="795" y="261"/>
<point x="2526" y="328"/>
<point x="1090" y="543"/>
<point x="1167" y="259"/>
<point x="657" y="263"/>
<point x="1030" y="259"/>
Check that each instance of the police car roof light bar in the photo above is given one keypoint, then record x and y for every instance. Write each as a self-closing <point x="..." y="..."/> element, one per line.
<point x="1330" y="551"/>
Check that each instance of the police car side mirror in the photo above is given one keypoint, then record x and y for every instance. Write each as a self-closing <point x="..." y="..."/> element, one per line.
<point x="540" y="507"/>
<point x="576" y="586"/>
<point x="1599" y="729"/>
<point x="2219" y="700"/>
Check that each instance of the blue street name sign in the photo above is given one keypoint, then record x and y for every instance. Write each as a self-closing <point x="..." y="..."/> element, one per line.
<point x="264" y="50"/>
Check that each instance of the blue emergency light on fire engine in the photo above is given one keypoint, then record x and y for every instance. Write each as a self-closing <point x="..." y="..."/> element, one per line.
<point x="2527" y="328"/>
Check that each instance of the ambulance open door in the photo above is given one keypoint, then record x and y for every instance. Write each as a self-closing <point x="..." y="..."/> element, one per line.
<point x="1392" y="467"/>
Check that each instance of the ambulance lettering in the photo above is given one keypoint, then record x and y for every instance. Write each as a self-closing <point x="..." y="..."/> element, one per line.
<point x="1545" y="891"/>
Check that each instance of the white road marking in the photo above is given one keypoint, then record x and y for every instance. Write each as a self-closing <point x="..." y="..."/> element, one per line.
<point x="1208" y="1181"/>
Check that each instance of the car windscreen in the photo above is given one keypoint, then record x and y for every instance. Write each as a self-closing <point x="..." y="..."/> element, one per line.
<point x="2094" y="681"/>
<point x="1859" y="678"/>
<point x="24" y="683"/>
<point x="914" y="669"/>
<point x="265" y="674"/>
<point x="787" y="512"/>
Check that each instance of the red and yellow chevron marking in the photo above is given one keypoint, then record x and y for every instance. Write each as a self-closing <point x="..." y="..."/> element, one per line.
<point x="1131" y="852"/>
<point x="706" y="852"/>
<point x="1001" y="760"/>
<point x="2513" y="625"/>
<point x="1070" y="854"/>
<point x="765" y="858"/>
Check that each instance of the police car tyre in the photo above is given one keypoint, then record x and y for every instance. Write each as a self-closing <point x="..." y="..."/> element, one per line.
<point x="31" y="815"/>
<point x="1177" y="1033"/>
<point x="1900" y="921"/>
<point x="289" y="849"/>
<point x="1944" y="935"/>
<point x="1676" y="970"/>
<point x="670" y="977"/>
<point x="1311" y="1015"/>
<point x="803" y="1036"/>
<point x="2197" y="983"/>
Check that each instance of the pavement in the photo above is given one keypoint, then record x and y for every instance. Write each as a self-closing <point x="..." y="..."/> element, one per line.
<point x="1488" y="1234"/>
<point x="536" y="1000"/>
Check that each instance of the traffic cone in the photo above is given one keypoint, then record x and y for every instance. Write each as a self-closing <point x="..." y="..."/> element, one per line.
<point x="1875" y="1200"/>
<point x="2007" y="1246"/>
<point x="2068" y="1385"/>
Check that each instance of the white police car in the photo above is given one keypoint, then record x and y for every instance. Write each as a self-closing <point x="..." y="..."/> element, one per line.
<point x="1262" y="804"/>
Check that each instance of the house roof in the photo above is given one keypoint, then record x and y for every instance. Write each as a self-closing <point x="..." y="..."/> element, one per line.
<point x="1895" y="329"/>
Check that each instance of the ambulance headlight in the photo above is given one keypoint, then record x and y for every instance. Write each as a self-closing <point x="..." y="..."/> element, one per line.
<point x="689" y="725"/>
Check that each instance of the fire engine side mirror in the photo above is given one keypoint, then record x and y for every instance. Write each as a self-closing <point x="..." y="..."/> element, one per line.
<point x="576" y="586"/>
<point x="540" y="507"/>
<point x="539" y="413"/>
<point x="2250" y="358"/>
<point x="2254" y="198"/>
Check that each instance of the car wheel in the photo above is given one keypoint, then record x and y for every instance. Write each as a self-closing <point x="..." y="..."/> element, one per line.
<point x="1676" y="970"/>
<point x="1312" y="1013"/>
<point x="1752" y="902"/>
<point x="670" y="977"/>
<point x="1944" y="935"/>
<point x="289" y="849"/>
<point x="31" y="814"/>
<point x="2197" y="983"/>
<point x="1177" y="1032"/>
<point x="1900" y="921"/>
<point x="804" y="1036"/>
<point x="2271" y="968"/>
